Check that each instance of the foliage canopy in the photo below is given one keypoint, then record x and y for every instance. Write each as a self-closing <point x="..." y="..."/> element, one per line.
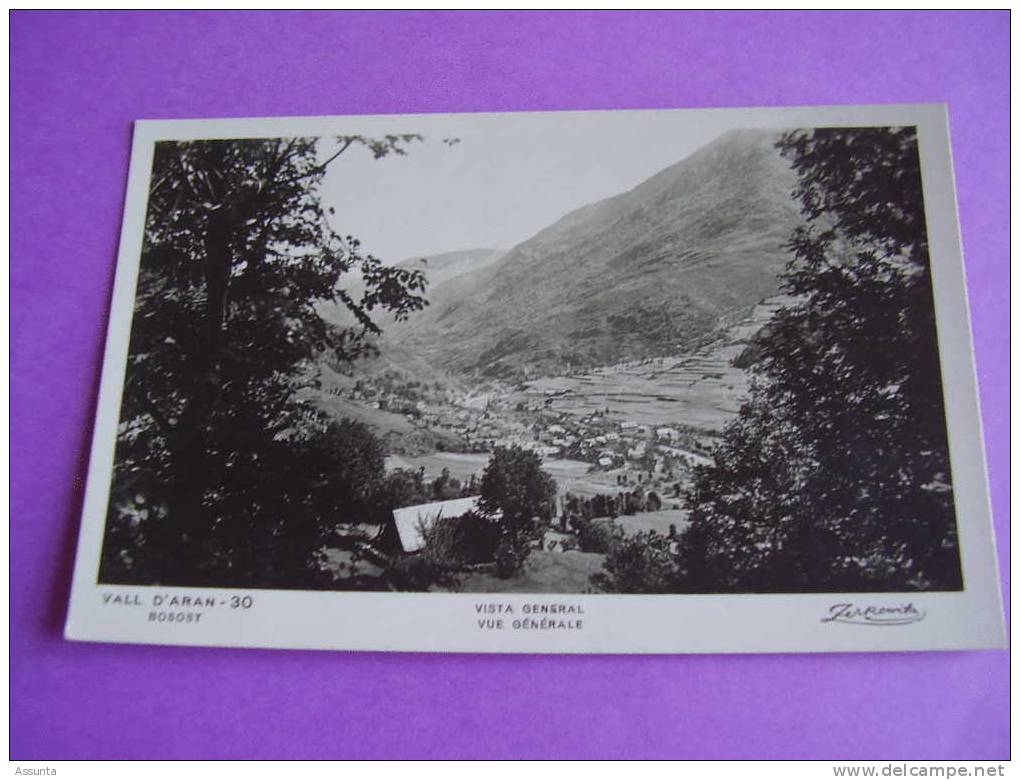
<point x="221" y="476"/>
<point x="836" y="475"/>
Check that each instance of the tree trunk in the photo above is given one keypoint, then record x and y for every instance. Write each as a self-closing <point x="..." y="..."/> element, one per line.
<point x="191" y="557"/>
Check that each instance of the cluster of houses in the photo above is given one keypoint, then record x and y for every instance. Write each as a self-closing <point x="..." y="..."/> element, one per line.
<point x="392" y="392"/>
<point x="477" y="418"/>
<point x="607" y="444"/>
<point x="486" y="418"/>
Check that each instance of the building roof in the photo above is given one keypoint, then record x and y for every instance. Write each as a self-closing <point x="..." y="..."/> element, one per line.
<point x="411" y="519"/>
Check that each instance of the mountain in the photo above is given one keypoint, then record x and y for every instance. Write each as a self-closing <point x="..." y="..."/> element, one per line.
<point x="443" y="267"/>
<point x="439" y="269"/>
<point x="658" y="270"/>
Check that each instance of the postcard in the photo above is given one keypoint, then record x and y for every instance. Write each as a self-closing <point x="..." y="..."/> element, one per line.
<point x="663" y="381"/>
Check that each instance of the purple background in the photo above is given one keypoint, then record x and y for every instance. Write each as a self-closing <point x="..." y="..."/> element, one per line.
<point x="77" y="82"/>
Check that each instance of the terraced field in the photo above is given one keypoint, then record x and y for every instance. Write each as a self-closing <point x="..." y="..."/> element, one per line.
<point x="702" y="390"/>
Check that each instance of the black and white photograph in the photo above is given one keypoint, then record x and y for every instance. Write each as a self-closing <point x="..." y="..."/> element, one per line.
<point x="575" y="354"/>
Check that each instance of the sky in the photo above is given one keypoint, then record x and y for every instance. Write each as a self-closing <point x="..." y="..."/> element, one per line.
<point x="508" y="176"/>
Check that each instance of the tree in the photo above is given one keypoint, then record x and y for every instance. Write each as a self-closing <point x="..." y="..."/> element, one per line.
<point x="401" y="487"/>
<point x="445" y="487"/>
<point x="514" y="485"/>
<point x="642" y="563"/>
<point x="216" y="460"/>
<point x="835" y="475"/>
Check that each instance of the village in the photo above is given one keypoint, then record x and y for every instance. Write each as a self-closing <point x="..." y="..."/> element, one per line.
<point x="608" y="469"/>
<point x="601" y="448"/>
<point x="621" y="442"/>
<point x="497" y="415"/>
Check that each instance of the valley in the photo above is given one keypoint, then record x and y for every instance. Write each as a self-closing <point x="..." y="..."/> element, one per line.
<point x="615" y="344"/>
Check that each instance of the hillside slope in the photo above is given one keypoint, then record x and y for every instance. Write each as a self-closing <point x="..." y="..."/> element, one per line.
<point x="653" y="271"/>
<point x="438" y="269"/>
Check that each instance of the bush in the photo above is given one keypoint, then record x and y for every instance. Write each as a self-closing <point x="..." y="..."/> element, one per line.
<point x="508" y="560"/>
<point x="474" y="538"/>
<point x="597" y="537"/>
<point x="420" y="573"/>
<point x="450" y="545"/>
<point x="643" y="563"/>
<point x="460" y="541"/>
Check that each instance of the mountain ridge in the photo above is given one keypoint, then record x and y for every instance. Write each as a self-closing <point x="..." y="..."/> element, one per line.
<point x="656" y="269"/>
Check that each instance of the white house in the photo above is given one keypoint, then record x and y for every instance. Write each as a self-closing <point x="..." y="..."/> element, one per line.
<point x="638" y="450"/>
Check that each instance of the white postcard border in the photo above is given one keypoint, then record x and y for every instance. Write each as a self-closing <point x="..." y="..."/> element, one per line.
<point x="605" y="623"/>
